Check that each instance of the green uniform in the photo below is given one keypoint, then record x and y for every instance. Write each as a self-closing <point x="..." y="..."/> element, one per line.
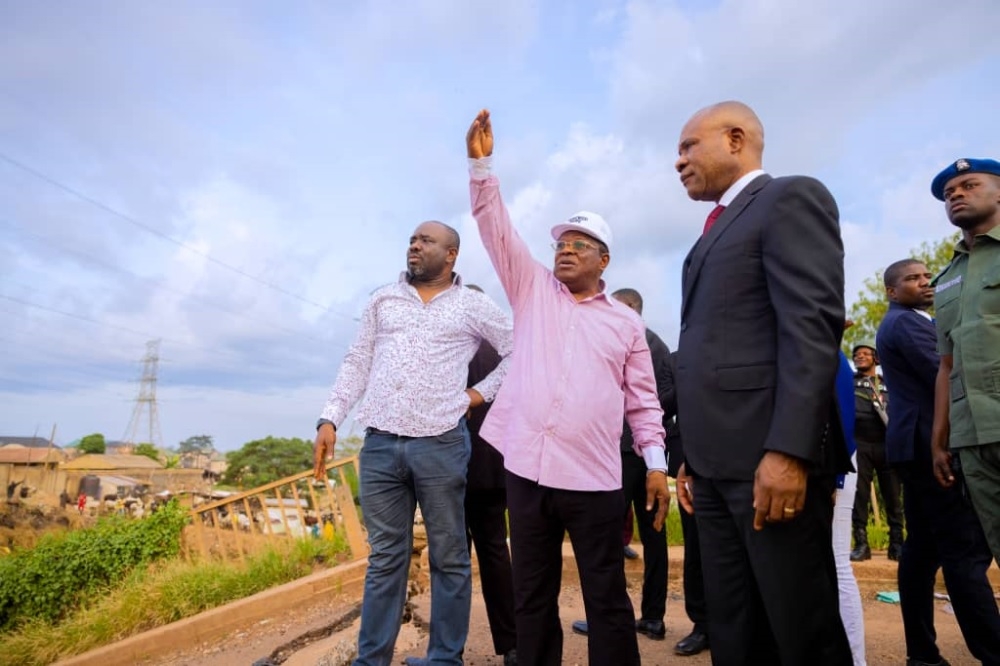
<point x="967" y="306"/>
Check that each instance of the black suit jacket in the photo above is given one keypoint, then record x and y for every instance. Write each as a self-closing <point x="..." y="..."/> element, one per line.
<point x="762" y="317"/>
<point x="907" y="350"/>
<point x="674" y="444"/>
<point x="659" y="353"/>
<point x="486" y="471"/>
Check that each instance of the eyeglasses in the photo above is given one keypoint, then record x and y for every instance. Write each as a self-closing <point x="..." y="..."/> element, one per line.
<point x="575" y="245"/>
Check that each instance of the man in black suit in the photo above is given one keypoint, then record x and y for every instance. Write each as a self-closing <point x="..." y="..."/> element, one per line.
<point x="942" y="528"/>
<point x="762" y="317"/>
<point x="485" y="519"/>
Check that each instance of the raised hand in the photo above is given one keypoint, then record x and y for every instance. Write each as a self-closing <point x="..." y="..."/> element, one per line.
<point x="479" y="139"/>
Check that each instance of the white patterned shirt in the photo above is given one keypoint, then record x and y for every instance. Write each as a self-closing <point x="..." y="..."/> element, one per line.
<point x="410" y="360"/>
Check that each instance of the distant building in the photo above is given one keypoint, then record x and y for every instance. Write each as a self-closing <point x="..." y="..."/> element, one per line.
<point x="111" y="461"/>
<point x="31" y="442"/>
<point x="140" y="469"/>
<point x="30" y="462"/>
<point x="115" y="447"/>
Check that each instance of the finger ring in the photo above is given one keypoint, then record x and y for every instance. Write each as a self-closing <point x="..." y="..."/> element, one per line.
<point x="789" y="510"/>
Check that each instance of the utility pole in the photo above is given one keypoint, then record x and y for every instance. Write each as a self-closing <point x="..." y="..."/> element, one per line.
<point x="49" y="465"/>
<point x="146" y="401"/>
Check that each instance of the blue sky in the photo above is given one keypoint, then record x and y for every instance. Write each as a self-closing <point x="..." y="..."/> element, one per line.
<point x="236" y="177"/>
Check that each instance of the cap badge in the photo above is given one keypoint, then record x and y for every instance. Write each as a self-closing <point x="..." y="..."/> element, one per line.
<point x="962" y="165"/>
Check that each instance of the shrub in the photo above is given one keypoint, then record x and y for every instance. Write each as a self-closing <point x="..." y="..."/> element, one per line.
<point x="62" y="571"/>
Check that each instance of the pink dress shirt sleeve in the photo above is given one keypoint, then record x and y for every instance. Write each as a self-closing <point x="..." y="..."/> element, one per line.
<point x="642" y="406"/>
<point x="510" y="255"/>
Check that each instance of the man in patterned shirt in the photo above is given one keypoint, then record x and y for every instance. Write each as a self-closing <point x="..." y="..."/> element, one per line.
<point x="408" y="368"/>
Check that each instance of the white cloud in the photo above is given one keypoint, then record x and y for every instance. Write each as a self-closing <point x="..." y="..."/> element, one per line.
<point x="303" y="146"/>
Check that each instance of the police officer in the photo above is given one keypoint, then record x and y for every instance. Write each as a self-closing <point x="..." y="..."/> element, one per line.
<point x="870" y="404"/>
<point x="966" y="435"/>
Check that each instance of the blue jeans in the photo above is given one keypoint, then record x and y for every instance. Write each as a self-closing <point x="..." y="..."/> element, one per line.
<point x="397" y="473"/>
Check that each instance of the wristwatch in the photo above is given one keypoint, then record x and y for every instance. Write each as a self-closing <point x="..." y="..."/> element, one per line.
<point x="322" y="421"/>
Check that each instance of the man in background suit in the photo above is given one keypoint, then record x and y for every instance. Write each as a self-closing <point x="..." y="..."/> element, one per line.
<point x="634" y="471"/>
<point x="696" y="641"/>
<point x="942" y="528"/>
<point x="485" y="519"/>
<point x="762" y="317"/>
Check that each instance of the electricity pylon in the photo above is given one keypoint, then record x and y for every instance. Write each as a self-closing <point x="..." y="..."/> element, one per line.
<point x="146" y="401"/>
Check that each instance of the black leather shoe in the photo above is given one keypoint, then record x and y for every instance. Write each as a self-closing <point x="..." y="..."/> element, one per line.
<point x="510" y="659"/>
<point x="651" y="628"/>
<point x="894" y="552"/>
<point x="692" y="644"/>
<point x="916" y="662"/>
<point x="580" y="627"/>
<point x="861" y="553"/>
<point x="630" y="553"/>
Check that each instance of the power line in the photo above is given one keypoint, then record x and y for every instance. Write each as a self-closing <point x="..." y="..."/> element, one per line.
<point x="159" y="234"/>
<point x="37" y="306"/>
<point x="221" y="351"/>
<point x="47" y="243"/>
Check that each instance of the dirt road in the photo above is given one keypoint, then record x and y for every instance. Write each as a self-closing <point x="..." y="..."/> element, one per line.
<point x="324" y="634"/>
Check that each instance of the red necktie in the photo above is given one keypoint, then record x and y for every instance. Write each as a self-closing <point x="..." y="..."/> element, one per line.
<point x="712" y="217"/>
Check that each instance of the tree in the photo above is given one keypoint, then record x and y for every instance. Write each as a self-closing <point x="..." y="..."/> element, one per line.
<point x="196" y="444"/>
<point x="348" y="446"/>
<point x="93" y="443"/>
<point x="871" y="305"/>
<point x="148" y="450"/>
<point x="265" y="460"/>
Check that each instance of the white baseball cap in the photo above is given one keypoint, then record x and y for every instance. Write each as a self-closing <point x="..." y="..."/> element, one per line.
<point x="585" y="222"/>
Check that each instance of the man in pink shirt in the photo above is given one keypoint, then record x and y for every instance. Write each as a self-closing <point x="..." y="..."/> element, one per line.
<point x="580" y="366"/>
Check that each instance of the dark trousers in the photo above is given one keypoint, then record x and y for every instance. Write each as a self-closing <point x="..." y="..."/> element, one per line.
<point x="654" y="544"/>
<point x="772" y="595"/>
<point x="486" y="527"/>
<point x="944" y="532"/>
<point x="539" y="519"/>
<point x="694" y="583"/>
<point x="872" y="463"/>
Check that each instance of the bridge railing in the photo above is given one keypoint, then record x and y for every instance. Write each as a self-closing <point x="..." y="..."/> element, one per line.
<point x="295" y="507"/>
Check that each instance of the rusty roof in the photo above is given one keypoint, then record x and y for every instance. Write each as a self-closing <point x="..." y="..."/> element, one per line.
<point x="23" y="455"/>
<point x="98" y="461"/>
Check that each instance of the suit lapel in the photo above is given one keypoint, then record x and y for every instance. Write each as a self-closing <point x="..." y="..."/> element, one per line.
<point x="696" y="257"/>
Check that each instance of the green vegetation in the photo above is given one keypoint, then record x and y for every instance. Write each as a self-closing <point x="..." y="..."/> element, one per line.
<point x="59" y="575"/>
<point x="265" y="460"/>
<point x="197" y="444"/>
<point x="153" y="596"/>
<point x="672" y="524"/>
<point x="148" y="450"/>
<point x="878" y="534"/>
<point x="93" y="443"/>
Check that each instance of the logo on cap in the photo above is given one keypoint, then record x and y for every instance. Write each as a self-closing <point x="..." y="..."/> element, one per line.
<point x="962" y="165"/>
<point x="579" y="219"/>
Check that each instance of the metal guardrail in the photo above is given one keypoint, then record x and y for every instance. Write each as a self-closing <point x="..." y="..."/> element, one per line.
<point x="294" y="507"/>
